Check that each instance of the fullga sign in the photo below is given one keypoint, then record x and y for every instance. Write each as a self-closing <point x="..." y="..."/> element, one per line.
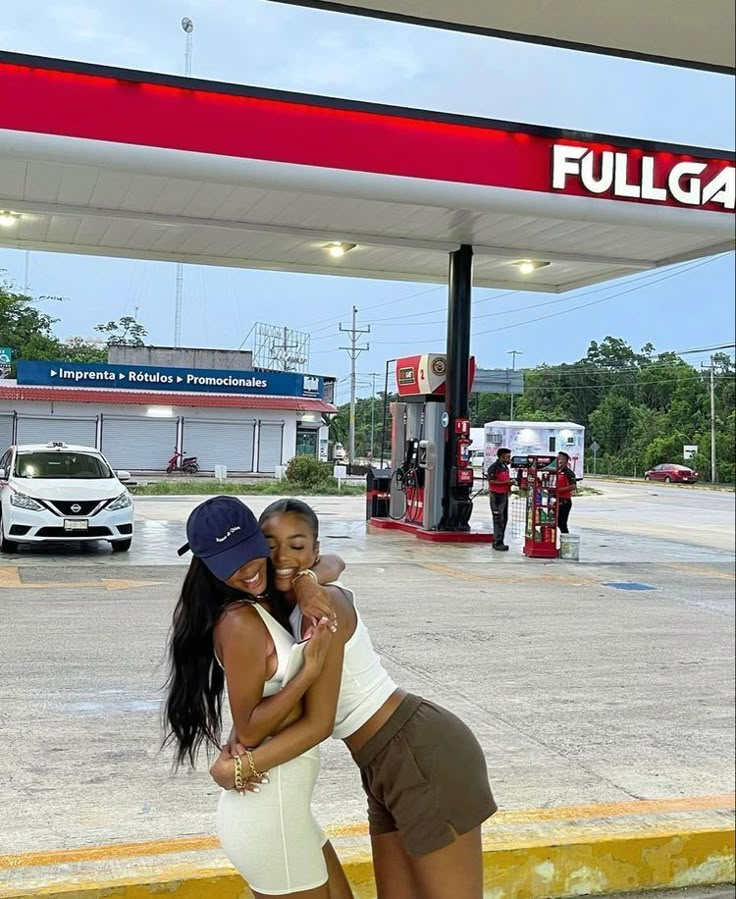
<point x="144" y="377"/>
<point x="633" y="175"/>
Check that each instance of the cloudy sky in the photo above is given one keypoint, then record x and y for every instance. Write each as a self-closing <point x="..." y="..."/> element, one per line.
<point x="262" y="43"/>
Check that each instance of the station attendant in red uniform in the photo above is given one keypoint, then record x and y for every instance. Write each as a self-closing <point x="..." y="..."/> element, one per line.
<point x="499" y="487"/>
<point x="566" y="486"/>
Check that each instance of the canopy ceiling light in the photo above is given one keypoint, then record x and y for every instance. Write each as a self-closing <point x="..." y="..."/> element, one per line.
<point x="337" y="249"/>
<point x="529" y="266"/>
<point x="8" y="219"/>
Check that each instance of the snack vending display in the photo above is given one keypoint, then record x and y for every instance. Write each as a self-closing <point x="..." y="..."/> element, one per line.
<point x="541" y="511"/>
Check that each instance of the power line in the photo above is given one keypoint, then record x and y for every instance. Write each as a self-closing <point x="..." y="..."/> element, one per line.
<point x="476" y="302"/>
<point x="567" y="311"/>
<point x="644" y="277"/>
<point x="594" y="302"/>
<point x="633" y="383"/>
<point x="576" y="368"/>
<point x="391" y="302"/>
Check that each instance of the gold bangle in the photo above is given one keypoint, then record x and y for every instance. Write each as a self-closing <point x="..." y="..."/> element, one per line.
<point x="253" y="773"/>
<point x="305" y="572"/>
<point x="239" y="782"/>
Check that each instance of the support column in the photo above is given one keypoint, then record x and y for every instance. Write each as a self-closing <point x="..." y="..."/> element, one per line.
<point x="456" y="503"/>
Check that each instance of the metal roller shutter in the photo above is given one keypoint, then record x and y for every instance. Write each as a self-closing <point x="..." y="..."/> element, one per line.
<point x="220" y="443"/>
<point x="45" y="428"/>
<point x="6" y="432"/>
<point x="138" y="443"/>
<point x="270" y="442"/>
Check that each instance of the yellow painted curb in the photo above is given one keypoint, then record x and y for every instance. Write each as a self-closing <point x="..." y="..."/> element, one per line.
<point x="594" y="864"/>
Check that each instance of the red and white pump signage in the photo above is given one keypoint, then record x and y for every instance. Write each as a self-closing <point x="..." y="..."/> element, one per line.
<point x="634" y="175"/>
<point x="425" y="375"/>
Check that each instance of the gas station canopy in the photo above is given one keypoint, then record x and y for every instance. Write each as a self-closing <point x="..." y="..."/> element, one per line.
<point x="113" y="162"/>
<point x="676" y="32"/>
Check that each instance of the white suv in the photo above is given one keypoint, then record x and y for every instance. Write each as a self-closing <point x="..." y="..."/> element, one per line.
<point x="62" y="493"/>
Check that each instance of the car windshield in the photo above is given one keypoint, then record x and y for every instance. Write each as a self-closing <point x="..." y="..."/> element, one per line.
<point x="77" y="466"/>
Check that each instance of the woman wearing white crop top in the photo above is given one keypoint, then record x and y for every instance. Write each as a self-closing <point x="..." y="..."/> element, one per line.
<point x="231" y="627"/>
<point x="422" y="769"/>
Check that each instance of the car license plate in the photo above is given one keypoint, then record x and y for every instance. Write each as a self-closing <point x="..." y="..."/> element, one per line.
<point x="76" y="524"/>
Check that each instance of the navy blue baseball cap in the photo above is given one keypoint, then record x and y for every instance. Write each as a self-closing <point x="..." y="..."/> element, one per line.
<point x="224" y="534"/>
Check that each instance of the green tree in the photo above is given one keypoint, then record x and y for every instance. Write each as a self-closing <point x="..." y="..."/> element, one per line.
<point x="80" y="349"/>
<point x="368" y="420"/>
<point x="29" y="332"/>
<point x="24" y="328"/>
<point x="126" y="331"/>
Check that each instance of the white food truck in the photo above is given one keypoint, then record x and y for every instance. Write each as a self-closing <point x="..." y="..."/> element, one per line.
<point x="523" y="437"/>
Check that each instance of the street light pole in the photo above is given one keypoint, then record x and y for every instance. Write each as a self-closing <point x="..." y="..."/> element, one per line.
<point x="374" y="375"/>
<point x="187" y="27"/>
<point x="385" y="412"/>
<point x="513" y="354"/>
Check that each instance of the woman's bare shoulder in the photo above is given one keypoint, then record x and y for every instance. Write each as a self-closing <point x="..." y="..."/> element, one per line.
<point x="237" y="619"/>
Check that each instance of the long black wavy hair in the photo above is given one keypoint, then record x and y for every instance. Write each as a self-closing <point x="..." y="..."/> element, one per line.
<point x="193" y="709"/>
<point x="294" y="507"/>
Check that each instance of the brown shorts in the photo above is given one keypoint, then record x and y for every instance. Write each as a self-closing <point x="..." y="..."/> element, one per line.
<point x="425" y="776"/>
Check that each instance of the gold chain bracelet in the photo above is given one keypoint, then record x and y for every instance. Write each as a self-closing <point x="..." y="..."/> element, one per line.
<point x="305" y="572"/>
<point x="254" y="774"/>
<point x="239" y="781"/>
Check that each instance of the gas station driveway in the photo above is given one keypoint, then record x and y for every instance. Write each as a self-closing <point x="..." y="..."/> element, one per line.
<point x="580" y="692"/>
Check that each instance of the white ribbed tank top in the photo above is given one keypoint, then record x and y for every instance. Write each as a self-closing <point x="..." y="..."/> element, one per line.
<point x="365" y="684"/>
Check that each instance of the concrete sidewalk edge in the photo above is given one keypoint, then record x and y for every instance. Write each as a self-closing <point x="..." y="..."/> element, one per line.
<point x="594" y="865"/>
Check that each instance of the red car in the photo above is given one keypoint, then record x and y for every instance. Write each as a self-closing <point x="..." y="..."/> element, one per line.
<point x="672" y="474"/>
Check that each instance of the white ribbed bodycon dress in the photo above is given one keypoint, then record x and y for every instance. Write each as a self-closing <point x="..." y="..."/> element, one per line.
<point x="272" y="837"/>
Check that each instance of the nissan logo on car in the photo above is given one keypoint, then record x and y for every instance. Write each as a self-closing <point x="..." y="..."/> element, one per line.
<point x="663" y="181"/>
<point x="76" y="508"/>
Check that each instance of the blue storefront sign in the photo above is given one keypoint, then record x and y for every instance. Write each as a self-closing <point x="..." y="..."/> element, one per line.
<point x="181" y="380"/>
<point x="6" y="357"/>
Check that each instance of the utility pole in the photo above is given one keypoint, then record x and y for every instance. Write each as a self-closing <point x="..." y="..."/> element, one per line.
<point x="188" y="27"/>
<point x="513" y="354"/>
<point x="713" y="468"/>
<point x="713" y="461"/>
<point x="353" y="352"/>
<point x="27" y="273"/>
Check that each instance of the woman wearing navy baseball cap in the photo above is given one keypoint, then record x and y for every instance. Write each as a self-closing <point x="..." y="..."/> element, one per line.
<point x="232" y="627"/>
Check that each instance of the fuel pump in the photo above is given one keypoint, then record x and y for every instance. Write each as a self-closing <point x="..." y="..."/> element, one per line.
<point x="418" y="442"/>
<point x="410" y="479"/>
<point x="421" y="433"/>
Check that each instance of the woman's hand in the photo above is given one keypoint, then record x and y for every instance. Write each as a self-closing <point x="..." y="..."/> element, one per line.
<point x="315" y="652"/>
<point x="314" y="602"/>
<point x="223" y="770"/>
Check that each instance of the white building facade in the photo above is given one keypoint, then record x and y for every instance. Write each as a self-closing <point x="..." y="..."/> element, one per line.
<point x="140" y="430"/>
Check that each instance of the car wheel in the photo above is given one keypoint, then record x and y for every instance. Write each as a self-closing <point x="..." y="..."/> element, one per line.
<point x="647" y="478"/>
<point x="7" y="546"/>
<point x="668" y="480"/>
<point x="121" y="546"/>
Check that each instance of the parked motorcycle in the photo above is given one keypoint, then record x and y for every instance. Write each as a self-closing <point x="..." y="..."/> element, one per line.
<point x="182" y="463"/>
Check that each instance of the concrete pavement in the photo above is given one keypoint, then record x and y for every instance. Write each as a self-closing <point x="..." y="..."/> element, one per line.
<point x="582" y="694"/>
